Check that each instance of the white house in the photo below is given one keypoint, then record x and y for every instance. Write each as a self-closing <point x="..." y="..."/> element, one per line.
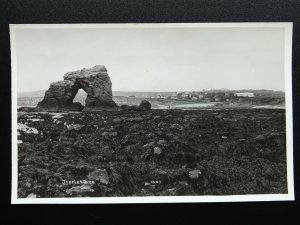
<point x="245" y="94"/>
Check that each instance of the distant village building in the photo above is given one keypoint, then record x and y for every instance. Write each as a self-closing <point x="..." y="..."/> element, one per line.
<point x="185" y="95"/>
<point x="194" y="98"/>
<point x="245" y="94"/>
<point x="174" y="96"/>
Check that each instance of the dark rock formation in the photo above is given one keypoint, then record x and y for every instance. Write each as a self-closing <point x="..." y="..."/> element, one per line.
<point x="94" y="81"/>
<point x="144" y="106"/>
<point x="130" y="108"/>
<point x="121" y="157"/>
<point x="60" y="96"/>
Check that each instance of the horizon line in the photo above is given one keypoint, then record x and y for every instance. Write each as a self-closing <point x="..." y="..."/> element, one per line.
<point x="217" y="89"/>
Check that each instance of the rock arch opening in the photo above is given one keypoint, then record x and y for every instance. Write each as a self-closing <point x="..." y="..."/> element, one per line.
<point x="80" y="97"/>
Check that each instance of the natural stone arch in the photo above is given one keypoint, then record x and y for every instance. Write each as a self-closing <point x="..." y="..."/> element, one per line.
<point x="94" y="81"/>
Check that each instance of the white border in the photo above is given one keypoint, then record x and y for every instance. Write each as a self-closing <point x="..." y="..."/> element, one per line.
<point x="155" y="199"/>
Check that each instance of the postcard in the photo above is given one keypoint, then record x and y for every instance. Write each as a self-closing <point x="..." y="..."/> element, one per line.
<point x="151" y="113"/>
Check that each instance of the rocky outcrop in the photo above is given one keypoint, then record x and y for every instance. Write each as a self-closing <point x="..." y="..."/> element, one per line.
<point x="94" y="81"/>
<point x="60" y="96"/>
<point x="144" y="106"/>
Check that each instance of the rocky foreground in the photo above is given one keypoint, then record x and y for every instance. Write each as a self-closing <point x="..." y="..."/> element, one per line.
<point x="154" y="153"/>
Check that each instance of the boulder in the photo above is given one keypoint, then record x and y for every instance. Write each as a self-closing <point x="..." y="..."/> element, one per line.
<point x="130" y="108"/>
<point x="94" y="81"/>
<point x="157" y="151"/>
<point x="145" y="105"/>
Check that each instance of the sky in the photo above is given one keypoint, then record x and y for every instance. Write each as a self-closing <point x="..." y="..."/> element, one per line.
<point x="154" y="59"/>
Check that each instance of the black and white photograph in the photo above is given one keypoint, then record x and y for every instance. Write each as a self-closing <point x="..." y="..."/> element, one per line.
<point x="151" y="113"/>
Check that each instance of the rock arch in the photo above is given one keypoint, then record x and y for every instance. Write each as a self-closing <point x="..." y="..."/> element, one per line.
<point x="94" y="81"/>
